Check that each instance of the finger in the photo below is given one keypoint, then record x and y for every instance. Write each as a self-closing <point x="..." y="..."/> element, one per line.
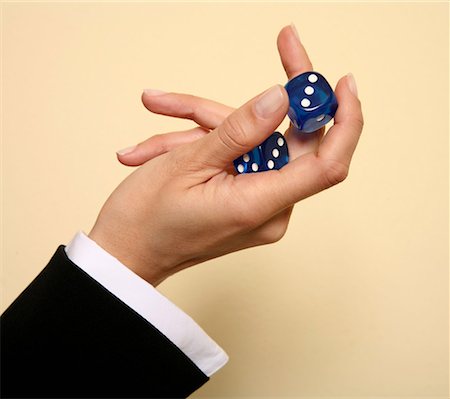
<point x="157" y="145"/>
<point x="311" y="173"/>
<point x="244" y="129"/>
<point x="341" y="139"/>
<point x="206" y="113"/>
<point x="293" y="55"/>
<point x="295" y="61"/>
<point x="302" y="143"/>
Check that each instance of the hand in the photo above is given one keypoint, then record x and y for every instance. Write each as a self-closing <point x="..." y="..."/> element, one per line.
<point x="183" y="207"/>
<point x="210" y="114"/>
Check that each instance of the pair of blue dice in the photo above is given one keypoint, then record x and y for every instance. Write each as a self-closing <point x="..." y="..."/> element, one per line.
<point x="312" y="104"/>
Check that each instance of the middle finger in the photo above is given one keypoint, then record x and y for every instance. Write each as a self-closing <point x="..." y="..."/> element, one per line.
<point x="295" y="61"/>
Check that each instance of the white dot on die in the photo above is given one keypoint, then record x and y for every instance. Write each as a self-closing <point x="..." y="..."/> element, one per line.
<point x="270" y="164"/>
<point x="255" y="167"/>
<point x="313" y="78"/>
<point x="246" y="158"/>
<point x="240" y="168"/>
<point x="275" y="153"/>
<point x="305" y="102"/>
<point x="309" y="90"/>
<point x="320" y="118"/>
<point x="280" y="141"/>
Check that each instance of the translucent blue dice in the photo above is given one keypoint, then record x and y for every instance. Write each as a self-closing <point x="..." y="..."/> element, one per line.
<point x="271" y="154"/>
<point x="250" y="162"/>
<point x="312" y="102"/>
<point x="274" y="152"/>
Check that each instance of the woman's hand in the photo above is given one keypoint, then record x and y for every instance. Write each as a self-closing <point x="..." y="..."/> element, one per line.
<point x="184" y="206"/>
<point x="209" y="114"/>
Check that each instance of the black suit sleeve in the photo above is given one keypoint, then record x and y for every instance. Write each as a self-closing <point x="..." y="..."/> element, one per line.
<point x="66" y="336"/>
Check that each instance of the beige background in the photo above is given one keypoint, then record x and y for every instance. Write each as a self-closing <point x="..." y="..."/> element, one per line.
<point x="354" y="300"/>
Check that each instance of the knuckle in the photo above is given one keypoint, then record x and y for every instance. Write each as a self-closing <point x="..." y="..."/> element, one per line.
<point x="233" y="132"/>
<point x="159" y="143"/>
<point x="272" y="233"/>
<point x="191" y="108"/>
<point x="334" y="172"/>
<point x="359" y="121"/>
<point x="358" y="114"/>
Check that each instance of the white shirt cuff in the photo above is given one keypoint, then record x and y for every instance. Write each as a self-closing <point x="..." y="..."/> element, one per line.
<point x="144" y="299"/>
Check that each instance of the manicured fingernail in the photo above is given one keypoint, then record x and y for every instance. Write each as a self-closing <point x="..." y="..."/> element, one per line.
<point x="153" y="92"/>
<point x="269" y="102"/>
<point x="295" y="31"/>
<point x="127" y="150"/>
<point x="352" y="84"/>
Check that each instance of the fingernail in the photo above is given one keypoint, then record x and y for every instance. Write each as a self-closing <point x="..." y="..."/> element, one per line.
<point x="127" y="150"/>
<point x="269" y="102"/>
<point x="352" y="84"/>
<point x="153" y="92"/>
<point x="295" y="31"/>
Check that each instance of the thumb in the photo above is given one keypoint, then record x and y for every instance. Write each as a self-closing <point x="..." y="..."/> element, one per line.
<point x="241" y="131"/>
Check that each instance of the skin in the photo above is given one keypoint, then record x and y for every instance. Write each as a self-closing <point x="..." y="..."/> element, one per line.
<point x="185" y="204"/>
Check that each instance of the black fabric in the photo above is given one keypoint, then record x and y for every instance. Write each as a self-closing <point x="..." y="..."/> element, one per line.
<point x="66" y="336"/>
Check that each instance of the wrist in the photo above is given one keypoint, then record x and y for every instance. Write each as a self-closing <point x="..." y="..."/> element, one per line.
<point x="126" y="249"/>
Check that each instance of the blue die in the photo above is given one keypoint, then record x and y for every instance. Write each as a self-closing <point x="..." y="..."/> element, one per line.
<point x="271" y="154"/>
<point x="250" y="162"/>
<point x="312" y="102"/>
